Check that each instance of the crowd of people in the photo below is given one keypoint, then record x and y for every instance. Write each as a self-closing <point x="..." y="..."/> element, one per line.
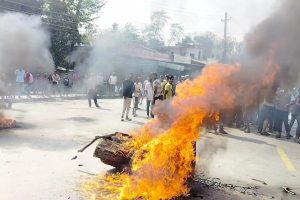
<point x="278" y="109"/>
<point x="154" y="88"/>
<point x="282" y="108"/>
<point x="27" y="82"/>
<point x="275" y="113"/>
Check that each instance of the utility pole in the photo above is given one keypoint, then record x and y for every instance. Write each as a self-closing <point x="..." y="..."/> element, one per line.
<point x="225" y="21"/>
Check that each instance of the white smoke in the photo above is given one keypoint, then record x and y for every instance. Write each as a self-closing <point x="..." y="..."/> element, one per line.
<point x="24" y="43"/>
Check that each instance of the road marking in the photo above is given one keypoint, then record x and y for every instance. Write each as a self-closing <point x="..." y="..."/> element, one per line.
<point x="289" y="165"/>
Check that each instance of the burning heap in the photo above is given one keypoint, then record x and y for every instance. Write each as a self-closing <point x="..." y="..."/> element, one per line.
<point x="6" y="123"/>
<point x="163" y="149"/>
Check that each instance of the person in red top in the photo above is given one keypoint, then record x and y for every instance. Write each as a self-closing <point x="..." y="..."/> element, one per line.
<point x="29" y="82"/>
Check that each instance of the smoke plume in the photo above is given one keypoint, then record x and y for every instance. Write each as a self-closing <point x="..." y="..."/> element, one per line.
<point x="103" y="56"/>
<point x="163" y="148"/>
<point x="277" y="38"/>
<point x="24" y="43"/>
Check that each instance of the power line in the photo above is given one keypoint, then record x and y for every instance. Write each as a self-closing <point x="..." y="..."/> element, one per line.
<point x="29" y="6"/>
<point x="64" y="28"/>
<point x="38" y="13"/>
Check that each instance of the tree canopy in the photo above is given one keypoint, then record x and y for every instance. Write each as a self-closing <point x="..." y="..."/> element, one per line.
<point x="66" y="18"/>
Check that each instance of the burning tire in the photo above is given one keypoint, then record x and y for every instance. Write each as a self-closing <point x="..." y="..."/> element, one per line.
<point x="7" y="123"/>
<point x="111" y="150"/>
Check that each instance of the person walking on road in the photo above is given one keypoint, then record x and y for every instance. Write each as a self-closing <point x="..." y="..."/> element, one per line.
<point x="128" y="89"/>
<point x="92" y="90"/>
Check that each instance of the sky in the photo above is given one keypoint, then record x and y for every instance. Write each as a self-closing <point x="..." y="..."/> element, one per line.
<point x="196" y="16"/>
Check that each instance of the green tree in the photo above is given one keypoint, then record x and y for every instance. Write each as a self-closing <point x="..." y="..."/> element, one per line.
<point x="176" y="34"/>
<point x="23" y="6"/>
<point x="153" y="33"/>
<point x="66" y="18"/>
<point x="187" y="40"/>
<point x="131" y="33"/>
<point x="207" y="43"/>
<point x="90" y="34"/>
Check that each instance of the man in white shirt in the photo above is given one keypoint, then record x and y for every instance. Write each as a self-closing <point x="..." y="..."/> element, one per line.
<point x="149" y="95"/>
<point x="112" y="81"/>
<point x="143" y="92"/>
<point x="20" y="80"/>
<point x="20" y="75"/>
<point x="55" y="82"/>
<point x="138" y="91"/>
<point x="157" y="90"/>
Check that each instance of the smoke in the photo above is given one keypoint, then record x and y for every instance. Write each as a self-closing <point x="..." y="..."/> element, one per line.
<point x="277" y="38"/>
<point x="24" y="43"/>
<point x="104" y="55"/>
<point x="165" y="143"/>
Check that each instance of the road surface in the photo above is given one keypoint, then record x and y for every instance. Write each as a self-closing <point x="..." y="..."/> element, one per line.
<point x="36" y="160"/>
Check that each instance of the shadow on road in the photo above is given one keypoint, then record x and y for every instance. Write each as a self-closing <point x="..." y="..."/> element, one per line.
<point x="79" y="119"/>
<point x="10" y="140"/>
<point x="251" y="140"/>
<point x="136" y="122"/>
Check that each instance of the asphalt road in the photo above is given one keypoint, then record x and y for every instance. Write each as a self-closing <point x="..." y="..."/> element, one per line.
<point x="35" y="159"/>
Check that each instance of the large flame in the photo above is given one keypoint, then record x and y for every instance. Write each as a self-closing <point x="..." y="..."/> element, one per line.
<point x="163" y="148"/>
<point x="6" y="122"/>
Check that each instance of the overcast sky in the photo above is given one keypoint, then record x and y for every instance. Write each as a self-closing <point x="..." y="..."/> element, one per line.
<point x="194" y="15"/>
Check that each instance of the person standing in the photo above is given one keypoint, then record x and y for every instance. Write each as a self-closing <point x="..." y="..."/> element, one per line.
<point x="55" y="81"/>
<point x="246" y="121"/>
<point x="92" y="94"/>
<point x="266" y="114"/>
<point x="137" y="94"/>
<point x="20" y="80"/>
<point x="157" y="91"/>
<point x="168" y="89"/>
<point x="29" y="82"/>
<point x="144" y="93"/>
<point x="293" y="109"/>
<point x="112" y="81"/>
<point x="149" y="95"/>
<point x="296" y="113"/>
<point x="282" y="101"/>
<point x="128" y="89"/>
<point x="140" y="85"/>
<point x="164" y="81"/>
<point x="76" y="79"/>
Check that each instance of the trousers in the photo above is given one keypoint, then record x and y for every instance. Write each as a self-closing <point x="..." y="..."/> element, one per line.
<point x="126" y="106"/>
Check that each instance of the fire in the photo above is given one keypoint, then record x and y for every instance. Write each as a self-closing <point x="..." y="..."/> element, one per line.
<point x="163" y="149"/>
<point x="6" y="123"/>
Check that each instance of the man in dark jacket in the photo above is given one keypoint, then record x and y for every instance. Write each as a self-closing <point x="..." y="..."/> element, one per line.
<point x="128" y="89"/>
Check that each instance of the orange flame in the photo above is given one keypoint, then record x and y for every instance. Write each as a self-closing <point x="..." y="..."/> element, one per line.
<point x="6" y="123"/>
<point x="163" y="148"/>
